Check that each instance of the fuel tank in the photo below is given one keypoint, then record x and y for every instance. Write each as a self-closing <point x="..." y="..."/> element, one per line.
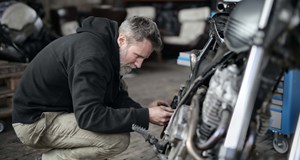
<point x="243" y="24"/>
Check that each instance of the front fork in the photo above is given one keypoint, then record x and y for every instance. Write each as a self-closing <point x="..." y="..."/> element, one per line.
<point x="241" y="117"/>
<point x="243" y="109"/>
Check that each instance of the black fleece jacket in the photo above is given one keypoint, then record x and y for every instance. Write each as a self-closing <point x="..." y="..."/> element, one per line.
<point x="80" y="73"/>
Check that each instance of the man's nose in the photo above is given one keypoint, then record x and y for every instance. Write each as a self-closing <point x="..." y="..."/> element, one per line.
<point x="138" y="63"/>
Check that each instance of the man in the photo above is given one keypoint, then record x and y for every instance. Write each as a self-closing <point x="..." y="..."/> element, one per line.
<point x="70" y="98"/>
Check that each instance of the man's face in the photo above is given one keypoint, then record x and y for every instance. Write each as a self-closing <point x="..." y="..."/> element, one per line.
<point x="133" y="55"/>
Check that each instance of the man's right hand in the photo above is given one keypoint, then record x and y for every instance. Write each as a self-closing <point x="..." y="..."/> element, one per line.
<point x="160" y="115"/>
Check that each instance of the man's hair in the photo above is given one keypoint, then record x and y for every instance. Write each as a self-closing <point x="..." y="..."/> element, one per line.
<point x="138" y="28"/>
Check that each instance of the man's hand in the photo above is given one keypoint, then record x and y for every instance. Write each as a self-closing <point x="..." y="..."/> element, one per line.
<point x="160" y="112"/>
<point x="158" y="103"/>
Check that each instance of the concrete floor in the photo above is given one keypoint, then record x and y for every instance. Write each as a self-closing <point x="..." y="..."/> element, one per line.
<point x="156" y="80"/>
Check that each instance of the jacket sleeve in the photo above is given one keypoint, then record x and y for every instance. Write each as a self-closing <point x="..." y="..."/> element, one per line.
<point x="88" y="81"/>
<point x="124" y="101"/>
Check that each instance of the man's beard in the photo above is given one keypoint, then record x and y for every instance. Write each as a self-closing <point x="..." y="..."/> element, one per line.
<point x="125" y="69"/>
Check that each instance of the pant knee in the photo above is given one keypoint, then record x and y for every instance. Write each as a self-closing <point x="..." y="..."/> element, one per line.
<point x="122" y="142"/>
<point x="114" y="145"/>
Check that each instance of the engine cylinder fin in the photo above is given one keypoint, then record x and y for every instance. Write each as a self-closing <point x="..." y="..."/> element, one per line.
<point x="221" y="94"/>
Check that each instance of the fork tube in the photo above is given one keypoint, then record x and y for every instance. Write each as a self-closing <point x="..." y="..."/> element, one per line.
<point x="295" y="154"/>
<point x="244" y="106"/>
<point x="240" y="120"/>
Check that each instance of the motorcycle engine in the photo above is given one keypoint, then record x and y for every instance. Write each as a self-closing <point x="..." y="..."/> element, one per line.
<point x="220" y="95"/>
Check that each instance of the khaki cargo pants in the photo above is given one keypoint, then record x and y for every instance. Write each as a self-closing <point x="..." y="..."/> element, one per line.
<point x="60" y="133"/>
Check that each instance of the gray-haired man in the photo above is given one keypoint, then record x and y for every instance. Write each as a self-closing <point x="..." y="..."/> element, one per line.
<point x="70" y="98"/>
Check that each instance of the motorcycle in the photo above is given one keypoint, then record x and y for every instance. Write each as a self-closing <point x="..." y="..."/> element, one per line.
<point x="223" y="110"/>
<point x="22" y="32"/>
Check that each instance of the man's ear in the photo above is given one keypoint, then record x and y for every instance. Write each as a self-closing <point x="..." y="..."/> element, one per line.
<point x="121" y="40"/>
